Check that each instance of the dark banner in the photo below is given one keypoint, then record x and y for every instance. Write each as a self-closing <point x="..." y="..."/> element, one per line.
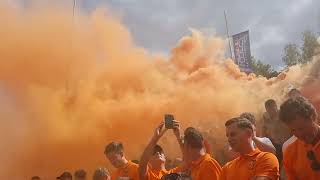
<point x="242" y="54"/>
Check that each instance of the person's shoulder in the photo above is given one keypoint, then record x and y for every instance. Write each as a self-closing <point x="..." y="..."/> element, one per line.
<point x="175" y="170"/>
<point x="230" y="166"/>
<point x="209" y="158"/>
<point x="267" y="165"/>
<point x="209" y="161"/>
<point x="265" y="115"/>
<point x="266" y="155"/>
<point x="266" y="140"/>
<point x="133" y="165"/>
<point x="290" y="146"/>
<point x="268" y="158"/>
<point x="133" y="170"/>
<point x="230" y="163"/>
<point x="291" y="140"/>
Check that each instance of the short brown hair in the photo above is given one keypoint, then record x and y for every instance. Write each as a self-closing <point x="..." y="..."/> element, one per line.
<point x="269" y="103"/>
<point x="35" y="178"/>
<point x="114" y="146"/>
<point x="297" y="107"/>
<point x="193" y="138"/>
<point x="241" y="123"/>
<point x="80" y="173"/>
<point x="294" y="90"/>
<point x="158" y="148"/>
<point x="249" y="116"/>
<point x="100" y="172"/>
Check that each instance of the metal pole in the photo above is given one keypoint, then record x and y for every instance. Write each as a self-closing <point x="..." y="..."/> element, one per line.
<point x="73" y="8"/>
<point x="225" y="17"/>
<point x="68" y="68"/>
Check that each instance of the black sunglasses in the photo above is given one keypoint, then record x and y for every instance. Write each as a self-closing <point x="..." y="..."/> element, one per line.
<point x="315" y="165"/>
<point x="176" y="176"/>
<point x="171" y="176"/>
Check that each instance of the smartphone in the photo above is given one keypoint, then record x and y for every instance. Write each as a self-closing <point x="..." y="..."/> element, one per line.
<point x="168" y="121"/>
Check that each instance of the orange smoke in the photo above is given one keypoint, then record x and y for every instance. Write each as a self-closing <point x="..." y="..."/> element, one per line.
<point x="311" y="85"/>
<point x="69" y="88"/>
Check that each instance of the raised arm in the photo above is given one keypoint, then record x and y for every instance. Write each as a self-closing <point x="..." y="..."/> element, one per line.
<point x="148" y="151"/>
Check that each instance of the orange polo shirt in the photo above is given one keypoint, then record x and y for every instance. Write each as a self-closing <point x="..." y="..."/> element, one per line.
<point x="128" y="172"/>
<point x="157" y="175"/>
<point x="205" y="168"/>
<point x="251" y="165"/>
<point x="296" y="162"/>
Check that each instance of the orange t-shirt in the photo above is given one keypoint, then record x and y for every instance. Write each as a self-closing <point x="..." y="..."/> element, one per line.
<point x="296" y="162"/>
<point x="127" y="172"/>
<point x="251" y="165"/>
<point x="205" y="168"/>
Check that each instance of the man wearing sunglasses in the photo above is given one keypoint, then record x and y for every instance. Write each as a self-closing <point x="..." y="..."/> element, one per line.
<point x="302" y="157"/>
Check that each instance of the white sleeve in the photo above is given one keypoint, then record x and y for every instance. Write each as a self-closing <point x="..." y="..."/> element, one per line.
<point x="289" y="141"/>
<point x="266" y="141"/>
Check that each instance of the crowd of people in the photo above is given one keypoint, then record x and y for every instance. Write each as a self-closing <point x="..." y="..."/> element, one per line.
<point x="287" y="146"/>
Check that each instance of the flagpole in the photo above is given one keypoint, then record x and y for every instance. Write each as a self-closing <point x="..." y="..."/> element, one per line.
<point x="69" y="63"/>
<point x="226" y="20"/>
<point x="73" y="8"/>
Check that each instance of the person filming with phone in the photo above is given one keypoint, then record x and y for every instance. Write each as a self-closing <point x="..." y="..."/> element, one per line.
<point x="197" y="162"/>
<point x="152" y="162"/>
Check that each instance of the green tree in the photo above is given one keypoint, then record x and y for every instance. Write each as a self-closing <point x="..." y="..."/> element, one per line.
<point x="263" y="69"/>
<point x="309" y="46"/>
<point x="292" y="55"/>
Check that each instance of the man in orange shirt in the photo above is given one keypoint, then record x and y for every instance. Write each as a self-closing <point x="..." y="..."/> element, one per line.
<point x="302" y="157"/>
<point x="262" y="143"/>
<point x="152" y="163"/>
<point x="125" y="170"/>
<point x="252" y="163"/>
<point x="199" y="164"/>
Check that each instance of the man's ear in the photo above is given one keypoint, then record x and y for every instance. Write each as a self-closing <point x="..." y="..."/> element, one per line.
<point x="249" y="132"/>
<point x="121" y="153"/>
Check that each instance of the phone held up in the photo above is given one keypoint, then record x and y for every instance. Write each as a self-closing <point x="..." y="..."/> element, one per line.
<point x="168" y="121"/>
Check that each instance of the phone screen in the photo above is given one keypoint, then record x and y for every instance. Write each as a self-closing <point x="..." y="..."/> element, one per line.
<point x="168" y="121"/>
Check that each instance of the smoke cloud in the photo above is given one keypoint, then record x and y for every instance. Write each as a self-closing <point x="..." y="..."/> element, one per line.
<point x="69" y="87"/>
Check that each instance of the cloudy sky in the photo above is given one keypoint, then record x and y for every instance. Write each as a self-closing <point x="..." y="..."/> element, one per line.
<point x="157" y="25"/>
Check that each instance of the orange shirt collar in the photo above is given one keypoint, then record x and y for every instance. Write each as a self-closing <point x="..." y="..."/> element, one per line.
<point x="252" y="153"/>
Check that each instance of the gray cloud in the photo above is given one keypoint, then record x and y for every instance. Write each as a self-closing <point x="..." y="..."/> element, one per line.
<point x="158" y="25"/>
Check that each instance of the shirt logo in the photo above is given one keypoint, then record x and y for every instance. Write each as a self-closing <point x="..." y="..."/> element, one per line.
<point x="252" y="164"/>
